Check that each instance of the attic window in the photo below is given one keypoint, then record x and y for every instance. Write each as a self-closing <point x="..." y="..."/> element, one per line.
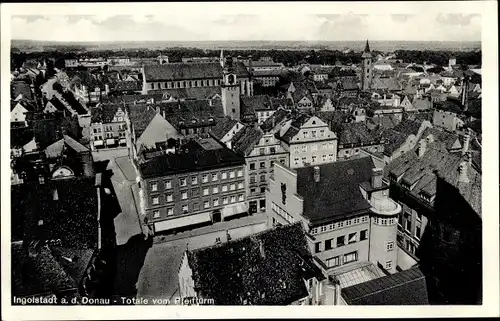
<point x="40" y="222"/>
<point x="55" y="195"/>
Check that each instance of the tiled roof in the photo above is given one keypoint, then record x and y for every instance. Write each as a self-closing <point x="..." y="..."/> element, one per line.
<point x="244" y="141"/>
<point x="443" y="138"/>
<point x="333" y="118"/>
<point x="20" y="88"/>
<point x="85" y="78"/>
<point x="337" y="194"/>
<point x="394" y="140"/>
<point x="262" y="269"/>
<point x="56" y="148"/>
<point x="408" y="127"/>
<point x="251" y="104"/>
<point x="289" y="134"/>
<point x="420" y="171"/>
<point x="105" y="112"/>
<point x="38" y="275"/>
<point x="47" y="131"/>
<point x="28" y="105"/>
<point x="70" y="214"/>
<point x="140" y="116"/>
<point x="191" y="159"/>
<point x="189" y="93"/>
<point x="386" y="83"/>
<point x="355" y="133"/>
<point x="182" y="71"/>
<point x="191" y="113"/>
<point x="383" y="121"/>
<point x="127" y="86"/>
<point x="268" y="73"/>
<point x="274" y="120"/>
<point x="224" y="125"/>
<point x="281" y="102"/>
<point x="403" y="288"/>
<point x="20" y="136"/>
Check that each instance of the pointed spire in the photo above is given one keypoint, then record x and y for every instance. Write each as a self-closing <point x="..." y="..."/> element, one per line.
<point x="222" y="58"/>
<point x="367" y="46"/>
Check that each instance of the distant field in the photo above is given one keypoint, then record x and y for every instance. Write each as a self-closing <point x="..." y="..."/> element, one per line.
<point x="385" y="46"/>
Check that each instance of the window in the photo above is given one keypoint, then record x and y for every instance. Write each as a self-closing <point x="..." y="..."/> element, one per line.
<point x="306" y="134"/>
<point x="418" y="232"/>
<point x="400" y="219"/>
<point x="240" y="185"/>
<point x="252" y="190"/>
<point x="252" y="166"/>
<point x="363" y="235"/>
<point x="185" y="208"/>
<point x="419" y="217"/>
<point x="184" y="195"/>
<point x="252" y="179"/>
<point x="156" y="200"/>
<point x="194" y="180"/>
<point x="214" y="177"/>
<point x="262" y="189"/>
<point x="296" y="161"/>
<point x="215" y="190"/>
<point x="240" y="173"/>
<point x="224" y="200"/>
<point x="224" y="188"/>
<point x="231" y="174"/>
<point x="388" y="265"/>
<point x="262" y="164"/>
<point x="328" y="245"/>
<point x="224" y="175"/>
<point x="262" y="151"/>
<point x="170" y="211"/>
<point x="333" y="262"/>
<point x="408" y="222"/>
<point x="240" y="198"/>
<point x="340" y="241"/>
<point x="272" y="150"/>
<point x="317" y="247"/>
<point x="206" y="204"/>
<point x="204" y="178"/>
<point x="313" y="133"/>
<point x="314" y="158"/>
<point x="304" y="149"/>
<point x="323" y="158"/>
<point x="233" y="199"/>
<point x="350" y="257"/>
<point x="263" y="178"/>
<point x="351" y="238"/>
<point x="322" y="133"/>
<point x="170" y="197"/>
<point x="156" y="214"/>
<point x="205" y="191"/>
<point x="232" y="187"/>
<point x="183" y="181"/>
<point x="154" y="187"/>
<point x="390" y="246"/>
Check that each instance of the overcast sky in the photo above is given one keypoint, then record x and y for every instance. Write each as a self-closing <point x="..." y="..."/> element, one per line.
<point x="210" y="25"/>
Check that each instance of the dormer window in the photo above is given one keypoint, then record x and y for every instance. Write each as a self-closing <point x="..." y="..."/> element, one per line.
<point x="406" y="185"/>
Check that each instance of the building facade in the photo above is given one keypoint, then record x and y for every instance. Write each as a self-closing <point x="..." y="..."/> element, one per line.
<point x="108" y="127"/>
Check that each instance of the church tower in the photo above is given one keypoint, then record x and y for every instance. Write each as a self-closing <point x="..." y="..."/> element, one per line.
<point x="366" y="74"/>
<point x="230" y="91"/>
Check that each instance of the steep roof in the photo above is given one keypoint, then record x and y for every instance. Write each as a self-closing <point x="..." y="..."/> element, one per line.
<point x="251" y="104"/>
<point x="191" y="159"/>
<point x="223" y="126"/>
<point x="355" y="133"/>
<point x="245" y="140"/>
<point x="189" y="71"/>
<point x="420" y="172"/>
<point x="56" y="148"/>
<point x="404" y="288"/>
<point x="140" y="116"/>
<point x="189" y="93"/>
<point x="67" y="207"/>
<point x="105" y="112"/>
<point x="20" y="88"/>
<point x="272" y="121"/>
<point x="337" y="194"/>
<point x="20" y="136"/>
<point x="127" y="86"/>
<point x="263" y="269"/>
<point x="191" y="113"/>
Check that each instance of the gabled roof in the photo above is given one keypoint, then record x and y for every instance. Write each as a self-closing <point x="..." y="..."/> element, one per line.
<point x="337" y="194"/>
<point x="189" y="71"/>
<point x="67" y="207"/>
<point x="47" y="131"/>
<point x="28" y="105"/>
<point x="244" y="141"/>
<point x="263" y="269"/>
<point x="419" y="171"/>
<point x="223" y="126"/>
<point x="20" y="137"/>
<point x="20" y="88"/>
<point x="55" y="149"/>
<point x="274" y="120"/>
<point x="191" y="113"/>
<point x="251" y="104"/>
<point x="140" y="115"/>
<point x="105" y="112"/>
<point x="355" y="133"/>
<point x="127" y="86"/>
<point x="404" y="288"/>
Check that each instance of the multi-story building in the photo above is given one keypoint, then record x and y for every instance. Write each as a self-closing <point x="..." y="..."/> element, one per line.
<point x="108" y="126"/>
<point x="309" y="141"/>
<point x="191" y="186"/>
<point x="268" y="268"/>
<point x="345" y="209"/>
<point x="413" y="185"/>
<point x="352" y="137"/>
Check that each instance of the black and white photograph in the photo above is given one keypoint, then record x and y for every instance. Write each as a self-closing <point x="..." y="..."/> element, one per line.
<point x="250" y="154"/>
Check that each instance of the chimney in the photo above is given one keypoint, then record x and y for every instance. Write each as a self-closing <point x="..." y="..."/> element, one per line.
<point x="106" y="86"/>
<point x="422" y="146"/>
<point x="462" y="176"/>
<point x="250" y="65"/>
<point x="316" y="174"/>
<point x="377" y="174"/>
<point x="465" y="147"/>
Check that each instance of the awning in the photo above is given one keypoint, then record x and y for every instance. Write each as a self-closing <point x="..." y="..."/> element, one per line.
<point x="98" y="142"/>
<point x="110" y="141"/>
<point x="182" y="221"/>
<point x="123" y="141"/>
<point x="234" y="209"/>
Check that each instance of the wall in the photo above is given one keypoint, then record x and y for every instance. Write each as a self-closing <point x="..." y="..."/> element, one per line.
<point x="381" y="234"/>
<point x="447" y="120"/>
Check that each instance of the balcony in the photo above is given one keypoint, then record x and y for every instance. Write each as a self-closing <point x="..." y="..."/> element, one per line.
<point x="384" y="206"/>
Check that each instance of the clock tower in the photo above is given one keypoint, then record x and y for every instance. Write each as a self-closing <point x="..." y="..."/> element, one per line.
<point x="230" y="91"/>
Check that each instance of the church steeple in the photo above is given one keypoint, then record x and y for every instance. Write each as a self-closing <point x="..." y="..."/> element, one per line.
<point x="367" y="51"/>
